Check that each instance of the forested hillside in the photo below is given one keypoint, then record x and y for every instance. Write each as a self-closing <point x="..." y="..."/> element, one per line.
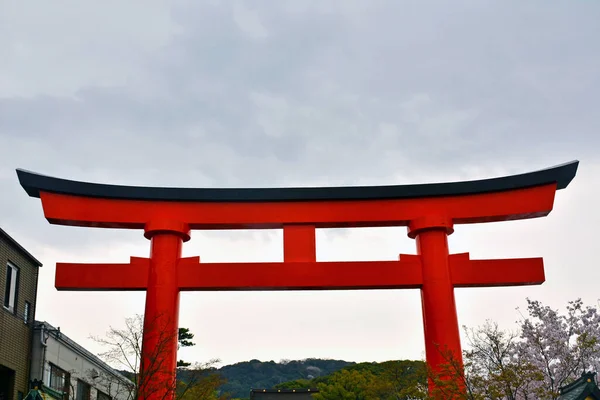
<point x="242" y="377"/>
<point x="390" y="380"/>
<point x="402" y="379"/>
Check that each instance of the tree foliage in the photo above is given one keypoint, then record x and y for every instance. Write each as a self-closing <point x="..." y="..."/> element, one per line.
<point x="243" y="376"/>
<point x="560" y="346"/>
<point x="124" y="349"/>
<point x="184" y="339"/>
<point x="549" y="350"/>
<point x="349" y="385"/>
<point x="390" y="380"/>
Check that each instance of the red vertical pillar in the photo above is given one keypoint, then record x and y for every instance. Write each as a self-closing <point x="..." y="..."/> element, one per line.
<point x="299" y="243"/>
<point x="440" y="322"/>
<point x="161" y="319"/>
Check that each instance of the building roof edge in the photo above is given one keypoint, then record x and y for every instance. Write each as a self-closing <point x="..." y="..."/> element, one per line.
<point x="19" y="247"/>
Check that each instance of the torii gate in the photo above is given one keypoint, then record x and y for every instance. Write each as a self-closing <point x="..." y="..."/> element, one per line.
<point x="167" y="215"/>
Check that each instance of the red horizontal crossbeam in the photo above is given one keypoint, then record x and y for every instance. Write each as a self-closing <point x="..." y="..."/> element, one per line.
<point x="403" y="274"/>
<point x="195" y="276"/>
<point x="489" y="273"/>
<point x="132" y="276"/>
<point x="301" y="275"/>
<point x="134" y="214"/>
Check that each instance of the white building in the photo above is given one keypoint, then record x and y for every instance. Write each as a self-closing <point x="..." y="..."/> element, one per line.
<point x="70" y="372"/>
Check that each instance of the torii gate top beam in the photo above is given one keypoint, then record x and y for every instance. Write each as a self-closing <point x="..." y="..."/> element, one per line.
<point x="34" y="184"/>
<point x="74" y="203"/>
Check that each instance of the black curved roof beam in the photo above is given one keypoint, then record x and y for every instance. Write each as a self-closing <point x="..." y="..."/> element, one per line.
<point x="34" y="183"/>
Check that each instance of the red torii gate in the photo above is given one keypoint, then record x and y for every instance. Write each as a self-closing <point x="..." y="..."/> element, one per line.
<point x="167" y="215"/>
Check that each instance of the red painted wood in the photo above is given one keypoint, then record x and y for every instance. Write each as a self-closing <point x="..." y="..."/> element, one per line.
<point x="488" y="273"/>
<point x="300" y="275"/>
<point x="299" y="243"/>
<point x="429" y="219"/>
<point x="80" y="277"/>
<point x="135" y="214"/>
<point x="440" y="322"/>
<point x="193" y="276"/>
<point x="161" y="318"/>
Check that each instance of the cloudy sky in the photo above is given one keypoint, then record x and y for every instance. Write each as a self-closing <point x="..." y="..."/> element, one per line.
<point x="301" y="93"/>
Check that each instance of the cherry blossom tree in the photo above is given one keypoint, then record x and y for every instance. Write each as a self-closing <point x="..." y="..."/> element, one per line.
<point x="560" y="346"/>
<point x="549" y="350"/>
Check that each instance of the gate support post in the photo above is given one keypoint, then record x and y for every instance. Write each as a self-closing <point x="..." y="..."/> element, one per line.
<point x="161" y="318"/>
<point x="440" y="321"/>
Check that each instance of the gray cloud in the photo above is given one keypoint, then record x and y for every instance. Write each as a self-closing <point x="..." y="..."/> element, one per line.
<point x="287" y="93"/>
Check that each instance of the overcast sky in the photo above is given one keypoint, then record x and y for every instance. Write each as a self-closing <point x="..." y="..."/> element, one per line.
<point x="287" y="93"/>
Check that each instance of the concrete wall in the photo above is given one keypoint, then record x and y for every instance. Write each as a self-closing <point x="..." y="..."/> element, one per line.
<point x="78" y="362"/>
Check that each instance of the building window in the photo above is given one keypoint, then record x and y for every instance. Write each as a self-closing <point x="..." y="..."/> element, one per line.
<point x="83" y="390"/>
<point x="59" y="379"/>
<point x="103" y="396"/>
<point x="10" y="290"/>
<point x="26" y="312"/>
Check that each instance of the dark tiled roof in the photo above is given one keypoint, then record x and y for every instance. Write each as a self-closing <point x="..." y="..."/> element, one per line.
<point x="19" y="248"/>
<point x="581" y="388"/>
<point x="34" y="184"/>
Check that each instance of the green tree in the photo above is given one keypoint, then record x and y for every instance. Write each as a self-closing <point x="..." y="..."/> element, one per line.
<point x="390" y="380"/>
<point x="184" y="337"/>
<point x="124" y="349"/>
<point x="550" y="350"/>
<point x="404" y="379"/>
<point x="350" y="385"/>
<point x="202" y="382"/>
